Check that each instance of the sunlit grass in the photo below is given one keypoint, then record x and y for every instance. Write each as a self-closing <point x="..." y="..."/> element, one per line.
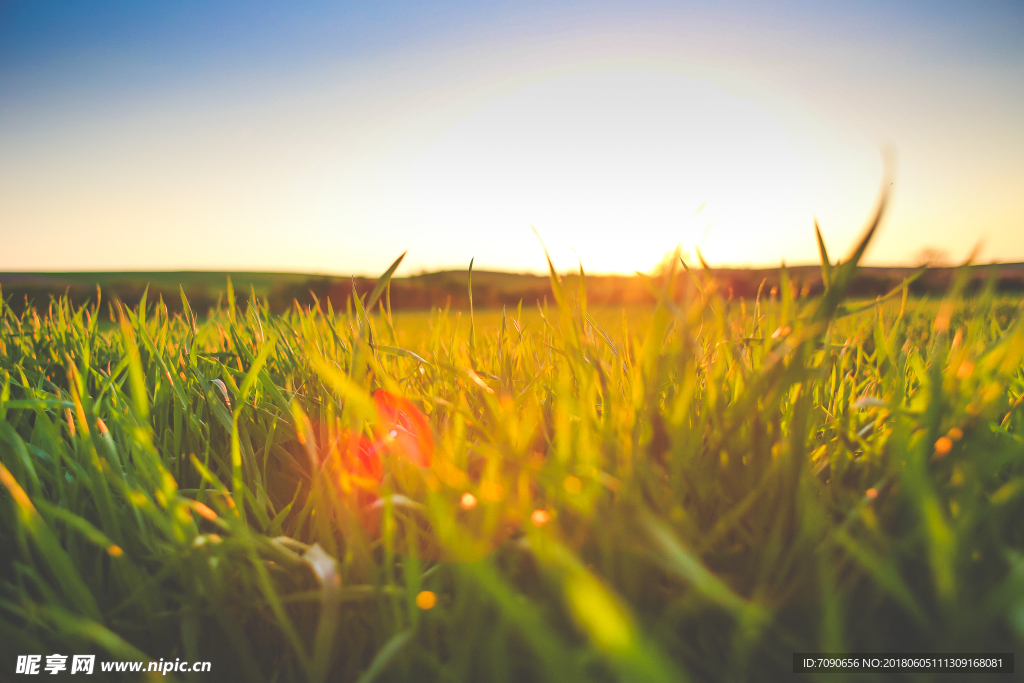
<point x="693" y="491"/>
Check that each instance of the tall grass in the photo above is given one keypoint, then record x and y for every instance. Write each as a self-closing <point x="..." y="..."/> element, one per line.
<point x="732" y="482"/>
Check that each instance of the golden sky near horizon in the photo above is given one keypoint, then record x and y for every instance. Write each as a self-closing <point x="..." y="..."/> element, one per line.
<point x="616" y="135"/>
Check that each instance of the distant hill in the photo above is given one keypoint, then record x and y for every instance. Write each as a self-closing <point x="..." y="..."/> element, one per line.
<point x="490" y="289"/>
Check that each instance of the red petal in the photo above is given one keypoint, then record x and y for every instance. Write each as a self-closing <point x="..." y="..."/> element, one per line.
<point x="403" y="428"/>
<point x="363" y="455"/>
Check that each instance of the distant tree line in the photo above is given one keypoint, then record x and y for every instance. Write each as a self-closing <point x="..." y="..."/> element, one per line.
<point x="449" y="288"/>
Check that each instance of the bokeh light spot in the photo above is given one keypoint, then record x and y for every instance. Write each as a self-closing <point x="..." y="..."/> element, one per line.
<point x="426" y="600"/>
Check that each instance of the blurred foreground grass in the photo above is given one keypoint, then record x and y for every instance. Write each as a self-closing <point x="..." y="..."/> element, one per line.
<point x="691" y="492"/>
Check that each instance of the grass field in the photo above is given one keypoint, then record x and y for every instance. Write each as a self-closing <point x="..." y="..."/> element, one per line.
<point x="693" y="491"/>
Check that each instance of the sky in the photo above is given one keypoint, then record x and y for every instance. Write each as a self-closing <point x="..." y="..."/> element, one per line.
<point x="332" y="137"/>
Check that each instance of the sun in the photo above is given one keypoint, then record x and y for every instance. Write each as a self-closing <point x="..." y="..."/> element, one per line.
<point x="615" y="166"/>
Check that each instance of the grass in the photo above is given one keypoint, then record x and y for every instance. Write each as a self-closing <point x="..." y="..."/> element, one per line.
<point x="721" y="483"/>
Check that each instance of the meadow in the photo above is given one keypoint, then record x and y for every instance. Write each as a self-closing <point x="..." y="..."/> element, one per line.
<point x="691" y="491"/>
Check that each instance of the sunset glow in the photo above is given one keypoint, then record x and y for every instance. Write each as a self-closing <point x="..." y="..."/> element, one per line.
<point x="348" y="137"/>
<point x="615" y="164"/>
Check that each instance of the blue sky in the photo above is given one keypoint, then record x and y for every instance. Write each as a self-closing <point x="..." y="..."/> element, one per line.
<point x="330" y="137"/>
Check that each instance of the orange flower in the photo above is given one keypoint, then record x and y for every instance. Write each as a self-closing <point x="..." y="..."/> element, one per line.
<point x="403" y="429"/>
<point x="363" y="455"/>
